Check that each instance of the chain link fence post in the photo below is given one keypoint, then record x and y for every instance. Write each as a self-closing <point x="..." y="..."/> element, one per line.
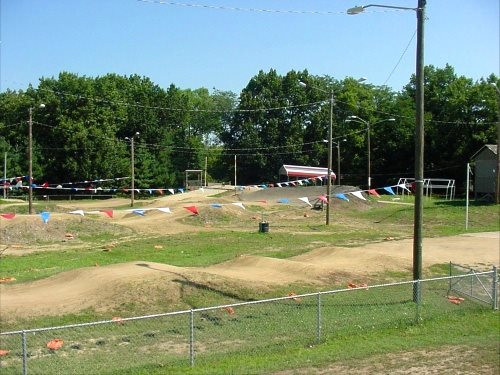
<point x="25" y="354"/>
<point x="191" y="338"/>
<point x="494" y="294"/>
<point x="318" y="330"/>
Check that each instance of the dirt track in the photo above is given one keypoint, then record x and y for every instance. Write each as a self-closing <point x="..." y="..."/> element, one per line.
<point x="76" y="290"/>
<point x="105" y="287"/>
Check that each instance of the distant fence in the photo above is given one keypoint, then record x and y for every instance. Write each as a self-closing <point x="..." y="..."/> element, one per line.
<point x="194" y="336"/>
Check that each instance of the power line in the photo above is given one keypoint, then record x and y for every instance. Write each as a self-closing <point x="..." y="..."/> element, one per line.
<point x="401" y="57"/>
<point x="239" y="9"/>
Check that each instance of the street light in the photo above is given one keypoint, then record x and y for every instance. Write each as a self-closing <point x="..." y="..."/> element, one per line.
<point x="30" y="159"/>
<point x="419" y="136"/>
<point x="132" y="162"/>
<point x="367" y="124"/>
<point x="329" y="173"/>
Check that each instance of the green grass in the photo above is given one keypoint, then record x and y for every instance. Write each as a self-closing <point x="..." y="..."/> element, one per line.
<point x="271" y="336"/>
<point x="231" y="237"/>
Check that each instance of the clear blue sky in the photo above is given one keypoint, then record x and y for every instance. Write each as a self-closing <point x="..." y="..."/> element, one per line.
<point x="194" y="47"/>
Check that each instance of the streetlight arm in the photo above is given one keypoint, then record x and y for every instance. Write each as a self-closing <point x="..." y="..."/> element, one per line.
<point x="360" y="9"/>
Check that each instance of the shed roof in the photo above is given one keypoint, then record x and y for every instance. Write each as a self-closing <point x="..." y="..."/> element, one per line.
<point x="304" y="171"/>
<point x="492" y="148"/>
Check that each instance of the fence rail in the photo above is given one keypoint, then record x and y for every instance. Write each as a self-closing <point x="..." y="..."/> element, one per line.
<point x="193" y="336"/>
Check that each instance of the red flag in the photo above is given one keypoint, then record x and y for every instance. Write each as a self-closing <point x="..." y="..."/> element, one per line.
<point x="160" y="192"/>
<point x="323" y="198"/>
<point x="108" y="212"/>
<point x="8" y="215"/>
<point x="193" y="209"/>
<point x="373" y="192"/>
<point x="45" y="185"/>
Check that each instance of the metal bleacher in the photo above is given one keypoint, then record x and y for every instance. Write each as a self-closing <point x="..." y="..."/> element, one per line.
<point x="430" y="185"/>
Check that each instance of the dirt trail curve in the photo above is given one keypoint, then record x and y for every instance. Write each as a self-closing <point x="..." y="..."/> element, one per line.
<point x="75" y="290"/>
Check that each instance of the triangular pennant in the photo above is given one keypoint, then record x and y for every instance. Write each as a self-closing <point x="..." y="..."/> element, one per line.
<point x="180" y="190"/>
<point x="305" y="200"/>
<point x="279" y="184"/>
<point x="239" y="204"/>
<point x="192" y="209"/>
<point x="77" y="212"/>
<point x="45" y="184"/>
<point x="283" y="200"/>
<point x="8" y="215"/>
<point x="299" y="182"/>
<point x="323" y="198"/>
<point x="373" y="192"/>
<point x="171" y="191"/>
<point x="389" y="190"/>
<point x="342" y="196"/>
<point x="358" y="194"/>
<point x="108" y="212"/>
<point x="216" y="205"/>
<point x="165" y="209"/>
<point x="403" y="186"/>
<point x="45" y="216"/>
<point x="263" y="201"/>
<point x="159" y="191"/>
<point x="139" y="212"/>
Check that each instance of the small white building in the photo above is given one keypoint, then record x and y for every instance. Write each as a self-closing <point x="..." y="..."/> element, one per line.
<point x="485" y="170"/>
<point x="302" y="171"/>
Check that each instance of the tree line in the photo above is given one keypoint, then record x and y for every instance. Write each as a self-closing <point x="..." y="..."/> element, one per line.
<point x="84" y="130"/>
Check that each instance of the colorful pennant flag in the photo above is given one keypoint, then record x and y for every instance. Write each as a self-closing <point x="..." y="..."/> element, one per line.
<point x="216" y="205"/>
<point x="77" y="212"/>
<point x="139" y="212"/>
<point x="342" y="196"/>
<point x="239" y="204"/>
<point x="8" y="215"/>
<point x="283" y="200"/>
<point x="108" y="212"/>
<point x="192" y="209"/>
<point x="403" y="186"/>
<point x="305" y="200"/>
<point x="165" y="209"/>
<point x="389" y="190"/>
<point x="45" y="216"/>
<point x="358" y="194"/>
<point x="373" y="192"/>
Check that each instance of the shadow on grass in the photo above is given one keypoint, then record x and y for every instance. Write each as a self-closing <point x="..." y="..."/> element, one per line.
<point x="185" y="282"/>
<point x="461" y="203"/>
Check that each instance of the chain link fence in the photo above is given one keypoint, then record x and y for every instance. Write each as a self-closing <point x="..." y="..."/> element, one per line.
<point x="196" y="336"/>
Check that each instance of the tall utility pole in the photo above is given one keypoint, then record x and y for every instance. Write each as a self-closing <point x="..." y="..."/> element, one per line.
<point x="419" y="152"/>
<point x="419" y="137"/>
<point x="132" y="167"/>
<point x="30" y="159"/>
<point x="30" y="162"/>
<point x="330" y="132"/>
<point x="5" y="175"/>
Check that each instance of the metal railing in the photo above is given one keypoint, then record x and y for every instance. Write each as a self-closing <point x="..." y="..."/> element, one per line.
<point x="198" y="335"/>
